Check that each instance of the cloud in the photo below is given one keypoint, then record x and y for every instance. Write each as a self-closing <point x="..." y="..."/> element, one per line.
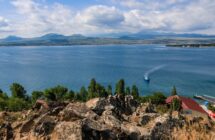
<point x="38" y="17"/>
<point x="171" y="16"/>
<point x="4" y="26"/>
<point x="99" y="19"/>
<point x="101" y="15"/>
<point x="3" y="22"/>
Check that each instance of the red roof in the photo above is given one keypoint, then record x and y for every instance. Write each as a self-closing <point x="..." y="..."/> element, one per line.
<point x="187" y="103"/>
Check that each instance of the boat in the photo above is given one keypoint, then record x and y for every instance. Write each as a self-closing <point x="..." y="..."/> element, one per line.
<point x="146" y="78"/>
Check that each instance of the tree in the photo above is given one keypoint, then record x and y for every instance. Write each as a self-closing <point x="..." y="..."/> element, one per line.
<point x="174" y="91"/>
<point x="36" y="95"/>
<point x="17" y="104"/>
<point x="109" y="90"/>
<point x="158" y="98"/>
<point x="100" y="91"/>
<point x="120" y="87"/>
<point x="92" y="89"/>
<point x="3" y="104"/>
<point x="83" y="93"/>
<point x="50" y="95"/>
<point x="3" y="95"/>
<point x="127" y="91"/>
<point x="135" y="92"/>
<point x="176" y="104"/>
<point x="59" y="92"/>
<point x="69" y="95"/>
<point x="18" y="91"/>
<point x="78" y="97"/>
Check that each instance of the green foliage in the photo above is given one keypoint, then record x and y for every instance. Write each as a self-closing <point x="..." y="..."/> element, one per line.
<point x="56" y="93"/>
<point x="4" y="96"/>
<point x="83" y="94"/>
<point x="156" y="98"/>
<point x="100" y="91"/>
<point x="127" y="91"/>
<point x="162" y="108"/>
<point x="109" y="90"/>
<point x="120" y="87"/>
<point x="59" y="92"/>
<point x="3" y="104"/>
<point x="92" y="89"/>
<point x="17" y="104"/>
<point x="18" y="91"/>
<point x="135" y="92"/>
<point x="174" y="91"/>
<point x="176" y="104"/>
<point x="36" y="95"/>
<point x="49" y="95"/>
<point x="69" y="95"/>
<point x="211" y="107"/>
<point x="78" y="97"/>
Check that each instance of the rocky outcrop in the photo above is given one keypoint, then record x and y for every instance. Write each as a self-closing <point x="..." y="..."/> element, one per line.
<point x="112" y="118"/>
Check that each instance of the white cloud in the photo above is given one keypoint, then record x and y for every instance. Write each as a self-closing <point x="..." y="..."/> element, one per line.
<point x="40" y="19"/>
<point x="35" y="18"/>
<point x="191" y="17"/>
<point x="100" y="15"/>
<point x="3" y="22"/>
<point x="99" y="19"/>
<point x="4" y="26"/>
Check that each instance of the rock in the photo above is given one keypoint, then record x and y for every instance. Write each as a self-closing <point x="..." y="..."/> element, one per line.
<point x="6" y="132"/>
<point x="67" y="131"/>
<point x="109" y="118"/>
<point x="76" y="111"/>
<point x="112" y="118"/>
<point x="123" y="104"/>
<point x="44" y="128"/>
<point x="98" y="105"/>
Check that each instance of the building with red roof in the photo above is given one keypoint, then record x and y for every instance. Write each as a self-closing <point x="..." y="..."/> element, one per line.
<point x="189" y="106"/>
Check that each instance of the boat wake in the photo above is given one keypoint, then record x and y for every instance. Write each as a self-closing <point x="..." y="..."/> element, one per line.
<point x="148" y="73"/>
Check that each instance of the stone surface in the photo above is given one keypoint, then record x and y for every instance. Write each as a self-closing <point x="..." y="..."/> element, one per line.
<point x="112" y="118"/>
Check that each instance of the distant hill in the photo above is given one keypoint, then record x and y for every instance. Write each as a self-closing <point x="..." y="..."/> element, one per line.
<point x="11" y="38"/>
<point x="137" y="38"/>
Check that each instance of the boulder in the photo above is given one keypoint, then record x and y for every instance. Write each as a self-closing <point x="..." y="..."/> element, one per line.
<point x="6" y="131"/>
<point x="98" y="105"/>
<point x="76" y="111"/>
<point x="67" y="131"/>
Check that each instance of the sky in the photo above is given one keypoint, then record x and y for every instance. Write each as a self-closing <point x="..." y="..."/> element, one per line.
<point x="32" y="18"/>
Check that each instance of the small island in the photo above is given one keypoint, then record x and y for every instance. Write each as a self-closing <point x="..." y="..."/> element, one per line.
<point x="191" y="45"/>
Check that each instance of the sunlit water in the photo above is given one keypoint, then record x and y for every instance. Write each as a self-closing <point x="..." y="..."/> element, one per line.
<point x="191" y="70"/>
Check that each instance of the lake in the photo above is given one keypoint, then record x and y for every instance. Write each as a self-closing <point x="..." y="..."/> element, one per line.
<point x="191" y="70"/>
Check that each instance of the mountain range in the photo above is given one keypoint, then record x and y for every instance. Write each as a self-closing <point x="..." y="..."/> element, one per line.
<point x="136" y="38"/>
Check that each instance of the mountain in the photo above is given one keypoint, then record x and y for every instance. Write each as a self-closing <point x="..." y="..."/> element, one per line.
<point x="11" y="38"/>
<point x="51" y="36"/>
<point x="157" y="35"/>
<point x="145" y="37"/>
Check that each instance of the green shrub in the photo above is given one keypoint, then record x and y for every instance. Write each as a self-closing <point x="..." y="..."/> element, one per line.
<point x="211" y="107"/>
<point x="156" y="98"/>
<point x="176" y="104"/>
<point x="162" y="109"/>
<point x="36" y="95"/>
<point x="3" y="104"/>
<point x="18" y="91"/>
<point x="69" y="95"/>
<point x="17" y="104"/>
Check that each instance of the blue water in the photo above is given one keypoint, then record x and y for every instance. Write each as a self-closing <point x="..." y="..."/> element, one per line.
<point x="191" y="70"/>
